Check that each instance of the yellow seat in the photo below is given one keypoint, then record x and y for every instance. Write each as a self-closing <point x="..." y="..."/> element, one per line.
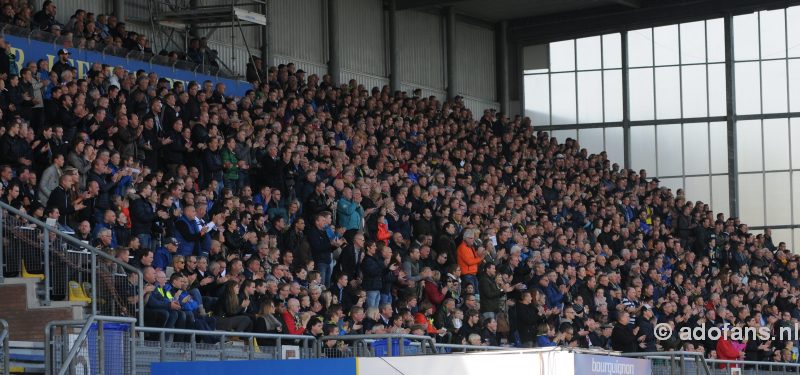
<point x="27" y="275"/>
<point x="256" y="348"/>
<point x="76" y="293"/>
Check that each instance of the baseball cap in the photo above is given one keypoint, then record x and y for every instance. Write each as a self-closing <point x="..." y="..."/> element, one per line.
<point x="171" y="240"/>
<point x="63" y="51"/>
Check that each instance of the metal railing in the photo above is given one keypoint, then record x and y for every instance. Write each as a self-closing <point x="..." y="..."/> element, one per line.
<point x="99" y="345"/>
<point x="720" y="367"/>
<point x="108" y="344"/>
<point x="64" y="264"/>
<point x="5" y="366"/>
<point x="675" y="363"/>
<point x="150" y="58"/>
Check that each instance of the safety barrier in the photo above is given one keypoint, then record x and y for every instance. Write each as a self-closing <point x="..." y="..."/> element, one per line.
<point x="108" y="344"/>
<point x="694" y="363"/>
<point x="5" y="366"/>
<point x="68" y="268"/>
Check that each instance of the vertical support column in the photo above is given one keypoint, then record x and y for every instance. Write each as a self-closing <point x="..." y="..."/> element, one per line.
<point x="730" y="108"/>
<point x="266" y="33"/>
<point x="193" y="31"/>
<point x="503" y="62"/>
<point x="394" y="59"/>
<point x="119" y="10"/>
<point x="626" y="108"/>
<point x="334" y="54"/>
<point x="450" y="40"/>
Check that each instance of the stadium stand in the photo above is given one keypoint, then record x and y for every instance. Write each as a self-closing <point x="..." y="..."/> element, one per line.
<point x="309" y="208"/>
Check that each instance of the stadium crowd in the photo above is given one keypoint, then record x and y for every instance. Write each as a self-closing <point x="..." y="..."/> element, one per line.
<point x="307" y="207"/>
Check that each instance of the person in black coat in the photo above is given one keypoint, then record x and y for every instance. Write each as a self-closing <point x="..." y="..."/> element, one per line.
<point x="142" y="214"/>
<point x="321" y="246"/>
<point x="623" y="338"/>
<point x="59" y="198"/>
<point x="646" y="330"/>
<point x="528" y="319"/>
<point x="372" y="274"/>
<point x="350" y="260"/>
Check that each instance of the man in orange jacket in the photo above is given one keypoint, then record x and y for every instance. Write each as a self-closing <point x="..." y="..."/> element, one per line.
<point x="469" y="259"/>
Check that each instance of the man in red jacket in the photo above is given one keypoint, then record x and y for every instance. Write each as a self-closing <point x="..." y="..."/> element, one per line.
<point x="726" y="349"/>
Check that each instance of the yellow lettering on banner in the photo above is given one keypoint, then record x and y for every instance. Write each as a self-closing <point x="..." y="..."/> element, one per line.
<point x="19" y="56"/>
<point x="83" y="67"/>
<point x="51" y="60"/>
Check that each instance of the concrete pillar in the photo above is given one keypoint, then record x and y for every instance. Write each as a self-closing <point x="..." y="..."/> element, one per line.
<point x="119" y="10"/>
<point x="503" y="68"/>
<point x="394" y="60"/>
<point x="334" y="40"/>
<point x="450" y="40"/>
<point x="266" y="33"/>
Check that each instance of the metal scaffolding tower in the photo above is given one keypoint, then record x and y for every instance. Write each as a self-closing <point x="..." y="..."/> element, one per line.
<point x="174" y="20"/>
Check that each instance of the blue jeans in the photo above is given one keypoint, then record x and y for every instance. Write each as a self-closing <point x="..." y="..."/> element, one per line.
<point x="386" y="298"/>
<point x="373" y="298"/>
<point x="325" y="270"/>
<point x="145" y="241"/>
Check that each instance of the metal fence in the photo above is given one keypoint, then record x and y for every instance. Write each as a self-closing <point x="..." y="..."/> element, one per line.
<point x="150" y="58"/>
<point x="69" y="269"/>
<point x="693" y="363"/>
<point x="5" y="366"/>
<point x="116" y="345"/>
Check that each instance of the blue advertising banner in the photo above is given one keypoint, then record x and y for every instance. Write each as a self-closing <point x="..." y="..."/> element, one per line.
<point x="27" y="50"/>
<point x="342" y="366"/>
<point x="614" y="365"/>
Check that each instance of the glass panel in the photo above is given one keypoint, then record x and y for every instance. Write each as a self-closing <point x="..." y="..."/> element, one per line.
<point x="592" y="140"/>
<point x="537" y="99"/>
<point x="745" y="37"/>
<point x="774" y="86"/>
<point x="794" y="131"/>
<point x="748" y="98"/>
<point x="751" y="199"/>
<point x="695" y="148"/>
<point x="641" y="94"/>
<point x="612" y="95"/>
<point x="782" y="235"/>
<point x="693" y="42"/>
<point x="698" y="189"/>
<point x="643" y="148"/>
<point x="695" y="97"/>
<point x="615" y="145"/>
<point x="796" y="196"/>
<point x="590" y="97"/>
<point x="562" y="135"/>
<point x="589" y="54"/>
<point x="562" y="56"/>
<point x="719" y="147"/>
<point x="640" y="48"/>
<point x="716" y="90"/>
<point x="778" y="211"/>
<point x="562" y="88"/>
<point x="748" y="145"/>
<point x="668" y="94"/>
<point x="673" y="184"/>
<point x="719" y="194"/>
<point x="794" y="85"/>
<point x="670" y="161"/>
<point x="773" y="34"/>
<point x="776" y="144"/>
<point x="666" y="42"/>
<point x="715" y="29"/>
<point x="793" y="17"/>
<point x="612" y="51"/>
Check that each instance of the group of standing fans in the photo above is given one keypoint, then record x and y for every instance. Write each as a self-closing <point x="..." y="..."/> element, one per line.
<point x="309" y="207"/>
